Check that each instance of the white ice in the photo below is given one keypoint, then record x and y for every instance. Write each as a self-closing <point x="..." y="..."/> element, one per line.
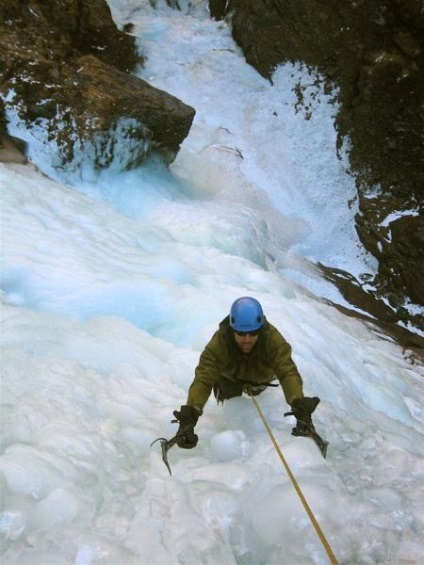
<point x="113" y="284"/>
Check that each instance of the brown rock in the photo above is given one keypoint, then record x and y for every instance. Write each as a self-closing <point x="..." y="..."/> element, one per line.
<point x="403" y="260"/>
<point x="64" y="67"/>
<point x="11" y="150"/>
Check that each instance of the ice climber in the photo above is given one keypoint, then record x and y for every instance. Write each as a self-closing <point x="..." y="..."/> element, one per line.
<point x="245" y="354"/>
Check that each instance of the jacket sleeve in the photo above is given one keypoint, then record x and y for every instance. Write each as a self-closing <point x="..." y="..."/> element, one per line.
<point x="207" y="374"/>
<point x="285" y="368"/>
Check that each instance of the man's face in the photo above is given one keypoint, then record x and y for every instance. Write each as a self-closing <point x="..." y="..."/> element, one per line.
<point x="246" y="341"/>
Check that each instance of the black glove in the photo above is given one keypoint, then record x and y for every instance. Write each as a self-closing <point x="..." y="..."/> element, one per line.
<point x="302" y="409"/>
<point x="187" y="417"/>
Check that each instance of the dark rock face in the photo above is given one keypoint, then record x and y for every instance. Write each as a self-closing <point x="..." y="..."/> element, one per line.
<point x="65" y="68"/>
<point x="374" y="52"/>
<point x="11" y="150"/>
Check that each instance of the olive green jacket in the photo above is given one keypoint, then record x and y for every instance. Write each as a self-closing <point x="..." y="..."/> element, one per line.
<point x="268" y="360"/>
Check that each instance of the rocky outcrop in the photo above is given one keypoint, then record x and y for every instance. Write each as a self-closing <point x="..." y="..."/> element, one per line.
<point x="65" y="70"/>
<point x="11" y="150"/>
<point x="374" y="52"/>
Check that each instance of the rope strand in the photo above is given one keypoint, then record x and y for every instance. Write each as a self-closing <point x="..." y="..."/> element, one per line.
<point x="318" y="530"/>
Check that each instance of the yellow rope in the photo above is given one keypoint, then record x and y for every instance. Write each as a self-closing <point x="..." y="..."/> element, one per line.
<point x="318" y="530"/>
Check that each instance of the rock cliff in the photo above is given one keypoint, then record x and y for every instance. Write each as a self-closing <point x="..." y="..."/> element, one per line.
<point x="373" y="51"/>
<point x="65" y="69"/>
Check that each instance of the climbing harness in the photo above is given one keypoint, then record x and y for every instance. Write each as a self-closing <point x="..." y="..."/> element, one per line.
<point x="318" y="530"/>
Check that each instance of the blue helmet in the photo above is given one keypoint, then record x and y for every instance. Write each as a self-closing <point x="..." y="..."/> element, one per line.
<point x="246" y="315"/>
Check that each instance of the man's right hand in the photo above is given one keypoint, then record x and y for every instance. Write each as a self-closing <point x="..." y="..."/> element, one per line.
<point x="187" y="418"/>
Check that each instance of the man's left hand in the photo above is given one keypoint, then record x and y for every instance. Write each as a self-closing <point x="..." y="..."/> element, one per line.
<point x="302" y="409"/>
